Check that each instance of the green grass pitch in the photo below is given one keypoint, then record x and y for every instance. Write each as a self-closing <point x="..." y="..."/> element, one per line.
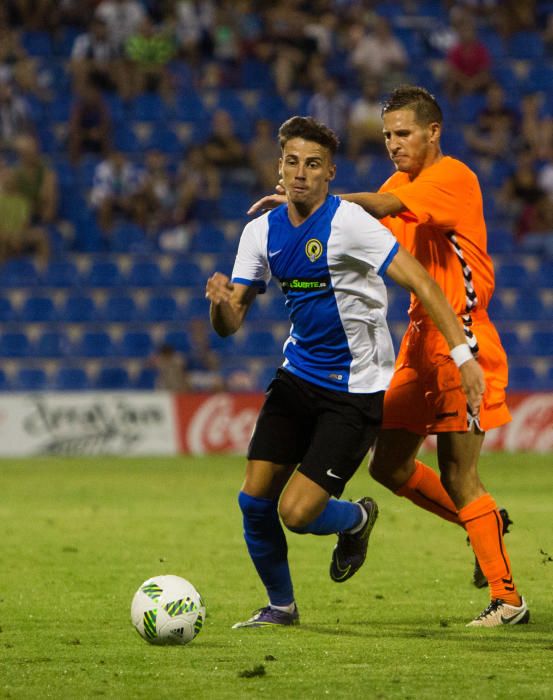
<point x="78" y="536"/>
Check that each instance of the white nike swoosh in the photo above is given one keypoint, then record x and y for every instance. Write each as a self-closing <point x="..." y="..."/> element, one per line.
<point x="332" y="474"/>
<point x="272" y="253"/>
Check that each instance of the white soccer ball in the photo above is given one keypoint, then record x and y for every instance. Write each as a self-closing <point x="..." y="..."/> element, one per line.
<point x="167" y="610"/>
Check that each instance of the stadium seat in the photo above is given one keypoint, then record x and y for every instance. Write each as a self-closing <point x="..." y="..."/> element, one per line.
<point x="127" y="237"/>
<point x="95" y="344"/>
<point x="104" y="273"/>
<point x="60" y="273"/>
<point x="136" y="344"/>
<point x="198" y="307"/>
<point x="526" y="45"/>
<point x="162" y="308"/>
<point x="37" y="43"/>
<point x="38" y="310"/>
<point x="71" y="379"/>
<point x="146" y="379"/>
<point x="14" y="345"/>
<point x="186" y="273"/>
<point x="7" y="312"/>
<point x="178" y="340"/>
<point x="5" y="384"/>
<point x="120" y="309"/>
<point x="522" y="377"/>
<point x="31" y="379"/>
<point x="145" y="273"/>
<point x="545" y="274"/>
<point x="209" y="239"/>
<point x="51" y="344"/>
<point x="261" y="343"/>
<point x="541" y="343"/>
<point x="19" y="272"/>
<point x="112" y="378"/>
<point x="512" y="275"/>
<point x="79" y="309"/>
<point x="512" y="344"/>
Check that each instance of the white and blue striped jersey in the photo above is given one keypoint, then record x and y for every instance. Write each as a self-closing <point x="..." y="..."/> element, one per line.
<point x="329" y="269"/>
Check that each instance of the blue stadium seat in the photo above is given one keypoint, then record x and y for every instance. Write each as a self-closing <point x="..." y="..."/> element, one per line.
<point x="210" y="239"/>
<point x="95" y="344"/>
<point x="146" y="379"/>
<point x="136" y="344"/>
<point x="527" y="307"/>
<point x="526" y="45"/>
<point x="5" y="383"/>
<point x="60" y="273"/>
<point x="198" y="307"/>
<point x="79" y="309"/>
<point x="104" y="273"/>
<point x="7" y="312"/>
<point x="186" y="273"/>
<point x="522" y="377"/>
<point x="51" y="344"/>
<point x="512" y="275"/>
<point x="541" y="343"/>
<point x="37" y="43"/>
<point x="148" y="107"/>
<point x="19" y="272"/>
<point x="31" y="379"/>
<point x="545" y="274"/>
<point x="145" y="273"/>
<point x="127" y="237"/>
<point x="120" y="309"/>
<point x="512" y="344"/>
<point x="178" y="340"/>
<point x="14" y="345"/>
<point x="38" y="310"/>
<point x="112" y="378"/>
<point x="261" y="343"/>
<point x="162" y="308"/>
<point x="71" y="379"/>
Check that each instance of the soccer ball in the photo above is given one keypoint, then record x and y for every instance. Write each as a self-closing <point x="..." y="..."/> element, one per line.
<point x="167" y="610"/>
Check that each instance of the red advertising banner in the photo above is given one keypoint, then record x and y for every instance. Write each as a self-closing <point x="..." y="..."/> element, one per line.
<point x="216" y="422"/>
<point x="208" y="423"/>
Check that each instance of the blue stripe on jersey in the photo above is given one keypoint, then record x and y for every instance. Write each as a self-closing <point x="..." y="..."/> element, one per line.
<point x="252" y="283"/>
<point x="318" y="348"/>
<point x="391" y="256"/>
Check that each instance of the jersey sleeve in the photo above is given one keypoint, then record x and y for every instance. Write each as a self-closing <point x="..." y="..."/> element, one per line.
<point x="365" y="239"/>
<point x="251" y="266"/>
<point x="437" y="196"/>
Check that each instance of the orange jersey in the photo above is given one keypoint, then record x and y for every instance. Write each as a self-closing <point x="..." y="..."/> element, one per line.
<point x="444" y="229"/>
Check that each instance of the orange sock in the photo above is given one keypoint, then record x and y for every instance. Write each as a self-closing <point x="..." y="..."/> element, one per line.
<point x="425" y="489"/>
<point x="485" y="530"/>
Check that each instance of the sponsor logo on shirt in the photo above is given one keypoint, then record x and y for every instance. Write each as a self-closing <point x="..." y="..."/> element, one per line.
<point x="313" y="249"/>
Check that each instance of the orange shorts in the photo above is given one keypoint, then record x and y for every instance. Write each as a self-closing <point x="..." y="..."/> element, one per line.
<point x="425" y="394"/>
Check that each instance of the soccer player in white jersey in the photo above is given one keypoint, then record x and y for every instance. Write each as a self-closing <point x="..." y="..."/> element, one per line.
<point x="324" y="406"/>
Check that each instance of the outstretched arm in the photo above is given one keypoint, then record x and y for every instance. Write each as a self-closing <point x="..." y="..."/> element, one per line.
<point x="229" y="303"/>
<point x="409" y="273"/>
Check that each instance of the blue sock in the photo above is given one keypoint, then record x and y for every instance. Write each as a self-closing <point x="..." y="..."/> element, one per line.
<point x="267" y="546"/>
<point x="337" y="516"/>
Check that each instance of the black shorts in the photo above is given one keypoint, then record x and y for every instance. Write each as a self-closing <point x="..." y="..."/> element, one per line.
<point x="326" y="432"/>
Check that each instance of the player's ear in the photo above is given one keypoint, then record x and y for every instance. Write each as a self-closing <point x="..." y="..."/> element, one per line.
<point x="435" y="131"/>
<point x="331" y="172"/>
<point x="280" y="168"/>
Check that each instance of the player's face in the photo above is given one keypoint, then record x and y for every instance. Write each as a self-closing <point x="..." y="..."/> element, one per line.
<point x="410" y="145"/>
<point x="306" y="168"/>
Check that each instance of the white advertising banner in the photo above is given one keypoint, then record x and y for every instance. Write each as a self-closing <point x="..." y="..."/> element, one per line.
<point x="119" y="423"/>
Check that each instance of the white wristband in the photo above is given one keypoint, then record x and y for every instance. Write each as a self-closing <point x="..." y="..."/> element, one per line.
<point x="461" y="354"/>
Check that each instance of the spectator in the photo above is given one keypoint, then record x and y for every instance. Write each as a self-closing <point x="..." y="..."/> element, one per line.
<point x="157" y="191"/>
<point x="468" y="63"/>
<point x="16" y="65"/>
<point x="365" y="122"/>
<point x="263" y="154"/>
<point x="330" y="106"/>
<point x="95" y="56"/>
<point x="195" y="21"/>
<point x="122" y="17"/>
<point x="536" y="128"/>
<point x="35" y="180"/>
<point x="225" y="150"/>
<point x="535" y="234"/>
<point x="14" y="115"/>
<point x="89" y="127"/>
<point x="149" y="50"/>
<point x="18" y="236"/>
<point x="379" y="54"/>
<point x="495" y="126"/>
<point x="203" y="363"/>
<point x="171" y="369"/>
<point x="117" y="190"/>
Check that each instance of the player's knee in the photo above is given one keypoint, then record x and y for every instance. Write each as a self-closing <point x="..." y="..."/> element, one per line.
<point x="391" y="476"/>
<point x="295" y="517"/>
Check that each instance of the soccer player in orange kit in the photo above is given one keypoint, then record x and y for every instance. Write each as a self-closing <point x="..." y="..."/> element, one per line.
<point x="433" y="205"/>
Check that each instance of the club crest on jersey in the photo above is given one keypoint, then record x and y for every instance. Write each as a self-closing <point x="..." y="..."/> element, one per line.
<point x="313" y="249"/>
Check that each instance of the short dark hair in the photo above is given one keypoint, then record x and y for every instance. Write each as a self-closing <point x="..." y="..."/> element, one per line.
<point x="309" y="129"/>
<point x="423" y="104"/>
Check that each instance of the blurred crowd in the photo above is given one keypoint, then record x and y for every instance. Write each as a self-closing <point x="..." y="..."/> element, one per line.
<point x="333" y="59"/>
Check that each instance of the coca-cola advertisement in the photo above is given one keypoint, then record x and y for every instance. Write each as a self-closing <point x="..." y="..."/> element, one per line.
<point x="224" y="423"/>
<point x="216" y="422"/>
